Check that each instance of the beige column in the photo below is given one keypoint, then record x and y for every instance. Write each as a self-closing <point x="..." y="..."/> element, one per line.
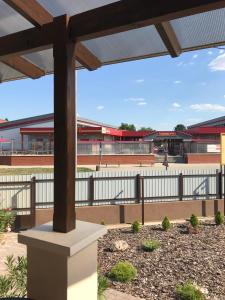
<point x="62" y="266"/>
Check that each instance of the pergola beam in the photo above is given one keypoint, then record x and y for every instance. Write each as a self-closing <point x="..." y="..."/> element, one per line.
<point x="101" y="21"/>
<point x="132" y="14"/>
<point x="23" y="66"/>
<point x="169" y="38"/>
<point x="37" y="15"/>
<point x="31" y="10"/>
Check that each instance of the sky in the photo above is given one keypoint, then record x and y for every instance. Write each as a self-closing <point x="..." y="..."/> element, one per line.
<point x="158" y="93"/>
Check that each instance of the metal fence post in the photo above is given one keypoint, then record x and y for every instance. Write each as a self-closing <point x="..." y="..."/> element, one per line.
<point x="142" y="201"/>
<point x="91" y="189"/>
<point x="33" y="201"/>
<point x="138" y="188"/>
<point x="180" y="186"/>
<point x="219" y="184"/>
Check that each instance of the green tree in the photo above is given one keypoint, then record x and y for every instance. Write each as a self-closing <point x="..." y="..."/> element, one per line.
<point x="146" y="129"/>
<point x="126" y="126"/>
<point x="180" y="127"/>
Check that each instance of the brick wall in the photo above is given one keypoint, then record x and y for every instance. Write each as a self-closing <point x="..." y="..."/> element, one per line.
<point x="45" y="160"/>
<point x="202" y="158"/>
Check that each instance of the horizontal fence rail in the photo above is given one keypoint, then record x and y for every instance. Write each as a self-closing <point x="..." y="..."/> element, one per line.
<point x="25" y="192"/>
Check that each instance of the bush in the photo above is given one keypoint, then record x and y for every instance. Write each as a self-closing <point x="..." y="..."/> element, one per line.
<point x="150" y="245"/>
<point x="7" y="219"/>
<point x="188" y="291"/>
<point x="136" y="227"/>
<point x="166" y="225"/>
<point x="102" y="222"/>
<point x="219" y="218"/>
<point x="14" y="283"/>
<point x="123" y="272"/>
<point x="103" y="284"/>
<point x="194" y="221"/>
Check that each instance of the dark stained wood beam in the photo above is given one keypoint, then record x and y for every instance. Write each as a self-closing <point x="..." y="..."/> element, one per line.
<point x="31" y="10"/>
<point x="23" y="66"/>
<point x="169" y="38"/>
<point x="131" y="14"/>
<point x="64" y="129"/>
<point x="37" y="15"/>
<point x="86" y="58"/>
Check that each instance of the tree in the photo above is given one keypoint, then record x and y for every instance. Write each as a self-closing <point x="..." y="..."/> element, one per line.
<point x="126" y="126"/>
<point x="146" y="129"/>
<point x="180" y="127"/>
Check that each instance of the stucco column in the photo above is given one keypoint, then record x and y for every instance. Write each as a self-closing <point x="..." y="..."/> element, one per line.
<point x="62" y="266"/>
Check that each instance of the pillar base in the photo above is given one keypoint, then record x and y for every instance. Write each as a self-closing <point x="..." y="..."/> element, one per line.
<point x="62" y="266"/>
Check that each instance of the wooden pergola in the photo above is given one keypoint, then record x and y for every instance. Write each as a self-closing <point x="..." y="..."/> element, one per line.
<point x="83" y="35"/>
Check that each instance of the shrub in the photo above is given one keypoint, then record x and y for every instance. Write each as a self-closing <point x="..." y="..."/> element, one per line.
<point x="188" y="291"/>
<point x="123" y="272"/>
<point x="219" y="218"/>
<point x="14" y="283"/>
<point x="150" y="245"/>
<point x="166" y="225"/>
<point x="136" y="226"/>
<point x="194" y="221"/>
<point x="103" y="284"/>
<point x="7" y="219"/>
<point x="102" y="222"/>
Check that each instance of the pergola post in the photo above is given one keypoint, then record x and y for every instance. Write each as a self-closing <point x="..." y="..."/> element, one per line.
<point x="64" y="128"/>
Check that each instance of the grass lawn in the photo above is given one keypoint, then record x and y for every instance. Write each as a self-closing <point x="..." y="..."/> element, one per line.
<point x="35" y="170"/>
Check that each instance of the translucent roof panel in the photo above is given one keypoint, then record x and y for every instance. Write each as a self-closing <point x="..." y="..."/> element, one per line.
<point x="200" y="30"/>
<point x="127" y="45"/>
<point x="193" y="32"/>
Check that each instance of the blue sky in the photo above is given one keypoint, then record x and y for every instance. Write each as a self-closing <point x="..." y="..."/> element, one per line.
<point x="159" y="92"/>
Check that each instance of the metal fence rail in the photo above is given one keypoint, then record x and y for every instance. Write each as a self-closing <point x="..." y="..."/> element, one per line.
<point x="23" y="193"/>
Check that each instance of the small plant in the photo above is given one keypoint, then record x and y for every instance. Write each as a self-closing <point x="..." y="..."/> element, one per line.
<point x="188" y="291"/>
<point x="14" y="283"/>
<point x="102" y="222"/>
<point x="194" y="221"/>
<point x="7" y="219"/>
<point x="103" y="284"/>
<point x="136" y="226"/>
<point x="150" y="245"/>
<point x="166" y="225"/>
<point x="123" y="272"/>
<point x="219" y="218"/>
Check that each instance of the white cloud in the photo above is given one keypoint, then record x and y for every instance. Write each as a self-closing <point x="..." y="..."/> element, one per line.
<point x="208" y="107"/>
<point x="133" y="99"/>
<point x="100" y="107"/>
<point x="210" y="52"/>
<point x="142" y="103"/>
<point x="218" y="64"/>
<point x="139" y="80"/>
<point x="195" y="56"/>
<point x="177" y="81"/>
<point x="176" y="105"/>
<point x="221" y="51"/>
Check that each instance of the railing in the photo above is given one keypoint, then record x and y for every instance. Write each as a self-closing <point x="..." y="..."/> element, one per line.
<point x="25" y="193"/>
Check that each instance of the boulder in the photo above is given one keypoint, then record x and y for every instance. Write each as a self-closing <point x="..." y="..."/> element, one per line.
<point x="119" y="245"/>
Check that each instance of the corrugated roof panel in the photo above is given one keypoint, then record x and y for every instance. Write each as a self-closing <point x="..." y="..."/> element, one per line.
<point x="201" y="29"/>
<point x="7" y="73"/>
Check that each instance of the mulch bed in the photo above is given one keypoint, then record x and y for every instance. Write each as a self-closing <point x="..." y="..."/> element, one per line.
<point x="181" y="257"/>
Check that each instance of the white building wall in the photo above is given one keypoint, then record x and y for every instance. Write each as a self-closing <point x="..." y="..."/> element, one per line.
<point x="14" y="135"/>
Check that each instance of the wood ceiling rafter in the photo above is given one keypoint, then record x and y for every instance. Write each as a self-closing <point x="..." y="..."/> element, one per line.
<point x="169" y="38"/>
<point x="37" y="15"/>
<point x="101" y="22"/>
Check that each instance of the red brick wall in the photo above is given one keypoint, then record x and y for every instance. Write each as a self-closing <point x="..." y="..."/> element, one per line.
<point x="202" y="158"/>
<point x="45" y="160"/>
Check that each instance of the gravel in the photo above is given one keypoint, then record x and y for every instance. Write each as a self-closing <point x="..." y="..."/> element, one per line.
<point x="199" y="258"/>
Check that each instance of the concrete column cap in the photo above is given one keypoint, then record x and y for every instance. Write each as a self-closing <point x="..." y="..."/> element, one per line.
<point x="67" y="244"/>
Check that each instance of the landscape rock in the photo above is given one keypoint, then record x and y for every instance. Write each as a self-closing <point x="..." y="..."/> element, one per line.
<point x="119" y="245"/>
